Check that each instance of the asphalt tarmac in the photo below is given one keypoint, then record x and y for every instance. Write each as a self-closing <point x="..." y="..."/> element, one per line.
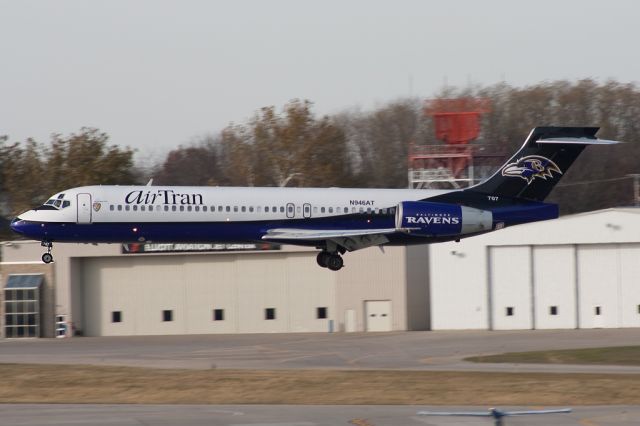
<point x="397" y="350"/>
<point x="292" y="415"/>
<point x="438" y="350"/>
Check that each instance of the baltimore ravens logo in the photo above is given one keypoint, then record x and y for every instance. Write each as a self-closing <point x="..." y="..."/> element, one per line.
<point x="531" y="167"/>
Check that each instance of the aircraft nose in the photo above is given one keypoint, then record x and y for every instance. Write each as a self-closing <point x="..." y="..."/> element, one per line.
<point x="16" y="225"/>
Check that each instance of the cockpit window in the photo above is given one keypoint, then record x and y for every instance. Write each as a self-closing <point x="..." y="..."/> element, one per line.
<point x="55" y="203"/>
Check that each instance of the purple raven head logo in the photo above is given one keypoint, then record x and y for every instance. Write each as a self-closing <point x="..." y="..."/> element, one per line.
<point x="531" y="167"/>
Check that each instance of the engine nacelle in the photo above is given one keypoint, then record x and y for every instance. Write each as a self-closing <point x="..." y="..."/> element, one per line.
<point x="436" y="219"/>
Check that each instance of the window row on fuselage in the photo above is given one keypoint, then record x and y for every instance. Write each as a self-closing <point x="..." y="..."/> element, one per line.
<point x="289" y="209"/>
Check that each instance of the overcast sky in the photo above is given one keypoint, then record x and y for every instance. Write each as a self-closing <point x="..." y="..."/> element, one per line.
<point x="155" y="74"/>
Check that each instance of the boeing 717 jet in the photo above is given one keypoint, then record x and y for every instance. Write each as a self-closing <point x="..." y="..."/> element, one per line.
<point x="334" y="220"/>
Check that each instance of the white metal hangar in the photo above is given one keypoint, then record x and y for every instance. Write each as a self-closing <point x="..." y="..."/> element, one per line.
<point x="580" y="271"/>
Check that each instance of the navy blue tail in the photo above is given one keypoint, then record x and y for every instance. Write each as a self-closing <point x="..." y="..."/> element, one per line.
<point x="532" y="172"/>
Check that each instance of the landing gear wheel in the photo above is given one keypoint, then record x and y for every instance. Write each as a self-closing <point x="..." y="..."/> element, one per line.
<point x="322" y="258"/>
<point x="335" y="262"/>
<point x="47" y="257"/>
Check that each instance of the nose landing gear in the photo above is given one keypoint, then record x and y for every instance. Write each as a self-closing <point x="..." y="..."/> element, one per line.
<point x="47" y="257"/>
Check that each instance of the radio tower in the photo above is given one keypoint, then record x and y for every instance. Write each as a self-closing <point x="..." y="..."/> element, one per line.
<point x="452" y="164"/>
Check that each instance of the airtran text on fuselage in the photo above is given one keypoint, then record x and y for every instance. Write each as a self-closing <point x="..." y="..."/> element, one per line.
<point x="162" y="196"/>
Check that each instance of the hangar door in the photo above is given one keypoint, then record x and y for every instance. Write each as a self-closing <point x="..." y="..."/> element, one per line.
<point x="510" y="288"/>
<point x="564" y="286"/>
<point x="609" y="292"/>
<point x="201" y="294"/>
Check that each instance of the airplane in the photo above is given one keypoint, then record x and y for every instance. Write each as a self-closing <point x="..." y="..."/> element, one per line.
<point x="334" y="220"/>
<point x="496" y="413"/>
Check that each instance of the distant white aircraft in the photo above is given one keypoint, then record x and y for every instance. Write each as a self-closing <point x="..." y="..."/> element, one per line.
<point x="496" y="413"/>
<point x="335" y="220"/>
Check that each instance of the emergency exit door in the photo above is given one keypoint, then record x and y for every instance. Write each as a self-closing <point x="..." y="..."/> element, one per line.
<point x="84" y="208"/>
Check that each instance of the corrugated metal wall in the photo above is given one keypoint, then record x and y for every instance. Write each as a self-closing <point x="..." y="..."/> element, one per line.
<point x="191" y="287"/>
<point x="573" y="286"/>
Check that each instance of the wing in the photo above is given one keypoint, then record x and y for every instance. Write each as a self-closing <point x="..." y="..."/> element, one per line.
<point x="351" y="239"/>
<point x="453" y="413"/>
<point x="523" y="413"/>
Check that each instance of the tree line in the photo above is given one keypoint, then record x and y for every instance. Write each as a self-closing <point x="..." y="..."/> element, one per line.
<point x="293" y="146"/>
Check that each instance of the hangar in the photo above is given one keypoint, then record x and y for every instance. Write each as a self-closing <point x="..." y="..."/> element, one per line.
<point x="579" y="271"/>
<point x="118" y="290"/>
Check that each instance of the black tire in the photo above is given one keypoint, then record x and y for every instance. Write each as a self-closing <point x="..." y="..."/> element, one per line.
<point x="322" y="258"/>
<point x="47" y="258"/>
<point x="335" y="262"/>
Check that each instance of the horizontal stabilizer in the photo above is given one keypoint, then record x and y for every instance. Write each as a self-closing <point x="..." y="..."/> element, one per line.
<point x="579" y="141"/>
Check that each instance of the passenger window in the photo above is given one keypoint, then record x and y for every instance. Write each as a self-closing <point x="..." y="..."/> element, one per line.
<point x="174" y="208"/>
<point x="266" y="209"/>
<point x="330" y="209"/>
<point x="204" y="208"/>
<point x="166" y="208"/>
<point x="281" y="209"/>
<point x="244" y="209"/>
<point x="135" y="208"/>
<point x="150" y="208"/>
<point x="112" y="207"/>
<point x="119" y="207"/>
<point x="346" y="209"/>
<point x="321" y="209"/>
<point x="126" y="207"/>
<point x="368" y="210"/>
<point x="181" y="208"/>
<point x="235" y="208"/>
<point x="228" y="208"/>
<point x="189" y="208"/>
<point x="142" y="208"/>
<point x="197" y="208"/>
<point x="361" y="210"/>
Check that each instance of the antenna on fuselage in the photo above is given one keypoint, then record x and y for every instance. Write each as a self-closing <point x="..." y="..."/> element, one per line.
<point x="150" y="182"/>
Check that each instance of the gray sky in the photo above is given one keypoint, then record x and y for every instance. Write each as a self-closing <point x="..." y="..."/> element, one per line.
<point x="155" y="74"/>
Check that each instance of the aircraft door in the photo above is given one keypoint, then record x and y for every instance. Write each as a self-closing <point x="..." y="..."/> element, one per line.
<point x="291" y="211"/>
<point x="306" y="210"/>
<point x="84" y="208"/>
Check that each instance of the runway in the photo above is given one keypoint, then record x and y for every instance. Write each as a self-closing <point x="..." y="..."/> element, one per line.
<point x="290" y="415"/>
<point x="439" y="350"/>
<point x="398" y="350"/>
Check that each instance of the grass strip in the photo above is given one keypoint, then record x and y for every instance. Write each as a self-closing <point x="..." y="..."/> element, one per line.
<point x="31" y="383"/>
<point x="622" y="355"/>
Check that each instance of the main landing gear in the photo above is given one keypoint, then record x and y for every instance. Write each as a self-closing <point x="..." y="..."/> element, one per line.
<point x="333" y="261"/>
<point x="47" y="257"/>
